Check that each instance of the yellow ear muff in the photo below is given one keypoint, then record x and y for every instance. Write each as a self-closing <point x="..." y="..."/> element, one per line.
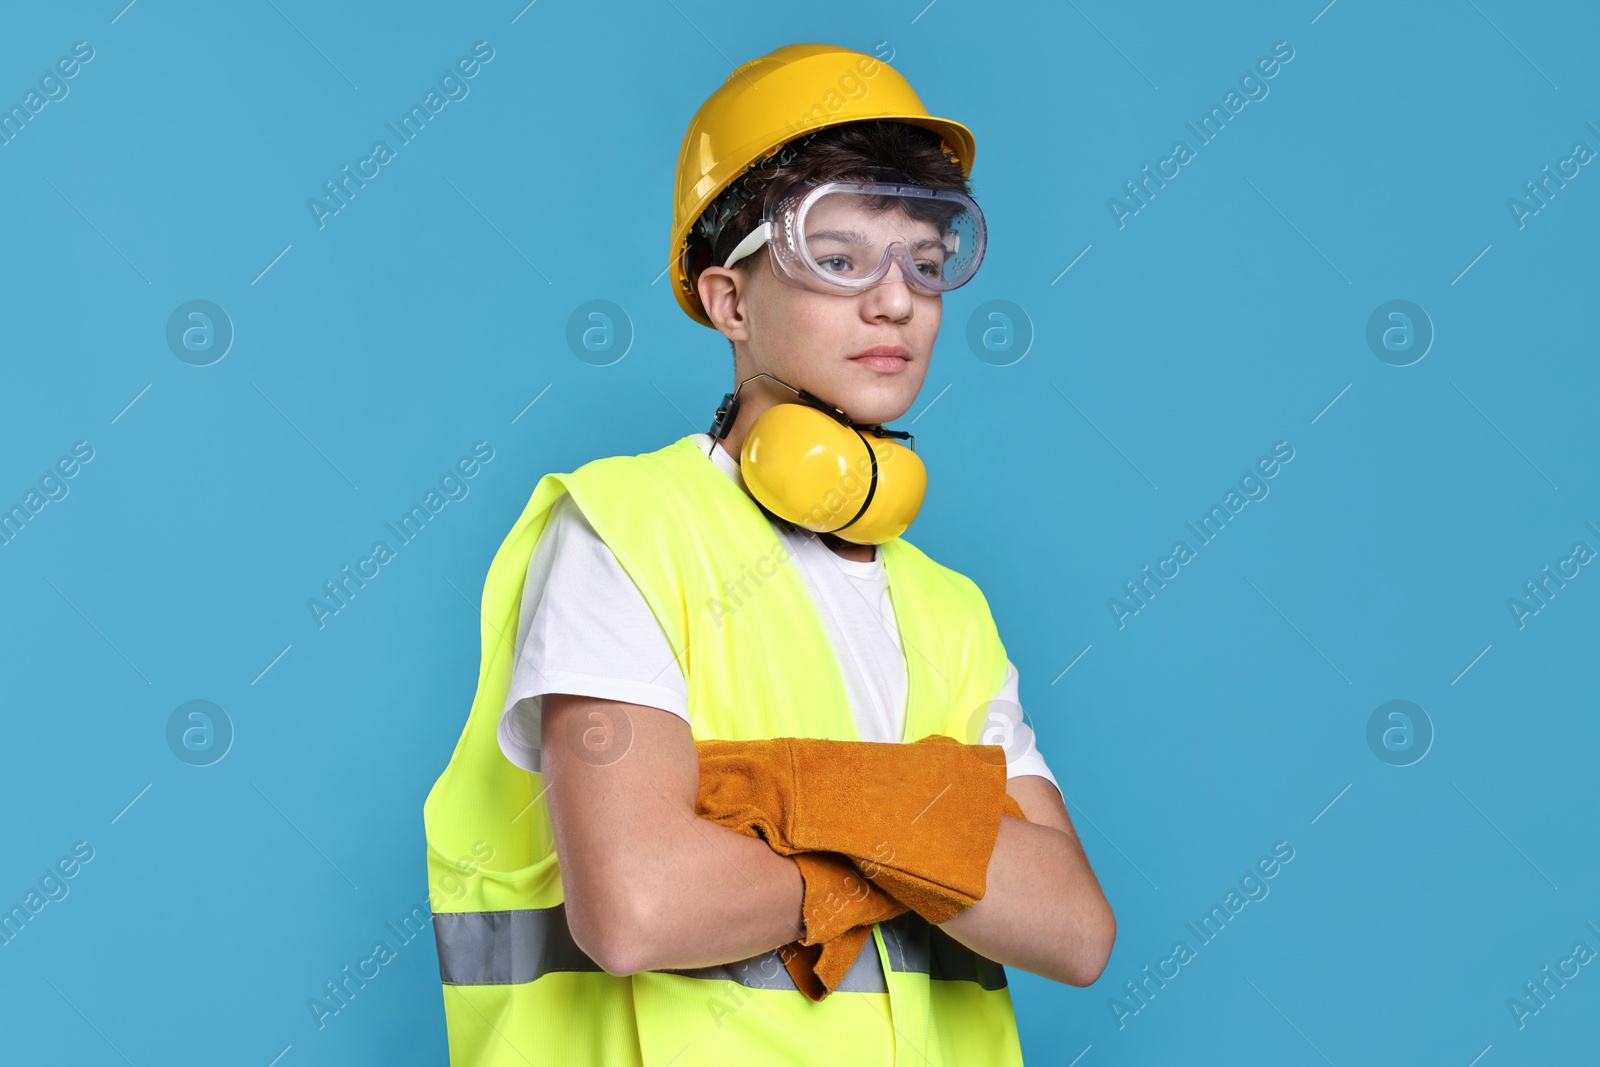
<point x="824" y="476"/>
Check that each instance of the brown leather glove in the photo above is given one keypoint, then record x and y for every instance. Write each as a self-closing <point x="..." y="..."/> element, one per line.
<point x="918" y="821"/>
<point x="839" y="897"/>
<point x="927" y="814"/>
<point x="840" y="907"/>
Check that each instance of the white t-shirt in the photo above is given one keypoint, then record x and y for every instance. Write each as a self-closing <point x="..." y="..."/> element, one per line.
<point x="586" y="629"/>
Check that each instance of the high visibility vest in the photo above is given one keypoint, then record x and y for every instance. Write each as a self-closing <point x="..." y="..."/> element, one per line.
<point x="759" y="663"/>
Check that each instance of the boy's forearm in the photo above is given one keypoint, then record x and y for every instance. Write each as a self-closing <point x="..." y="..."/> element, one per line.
<point x="1042" y="908"/>
<point x="715" y="896"/>
<point x="707" y="895"/>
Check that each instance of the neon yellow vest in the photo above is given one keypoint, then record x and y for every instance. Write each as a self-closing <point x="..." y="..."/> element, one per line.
<point x="759" y="663"/>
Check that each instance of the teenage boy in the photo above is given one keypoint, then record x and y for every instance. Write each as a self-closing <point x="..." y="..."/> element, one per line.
<point x="644" y="603"/>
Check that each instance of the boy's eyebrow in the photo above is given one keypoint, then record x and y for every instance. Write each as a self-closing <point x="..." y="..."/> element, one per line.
<point x="859" y="238"/>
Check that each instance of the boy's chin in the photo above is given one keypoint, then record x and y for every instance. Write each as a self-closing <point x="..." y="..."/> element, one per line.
<point x="866" y="402"/>
<point x="866" y="412"/>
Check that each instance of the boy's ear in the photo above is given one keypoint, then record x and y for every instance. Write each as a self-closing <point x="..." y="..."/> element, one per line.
<point x="722" y="293"/>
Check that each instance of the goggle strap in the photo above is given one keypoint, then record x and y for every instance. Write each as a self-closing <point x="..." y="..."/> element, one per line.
<point x="756" y="238"/>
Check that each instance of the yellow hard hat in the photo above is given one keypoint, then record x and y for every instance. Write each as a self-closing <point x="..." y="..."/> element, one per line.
<point x="775" y="98"/>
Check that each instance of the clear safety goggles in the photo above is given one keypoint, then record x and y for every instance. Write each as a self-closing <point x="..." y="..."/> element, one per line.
<point x="841" y="237"/>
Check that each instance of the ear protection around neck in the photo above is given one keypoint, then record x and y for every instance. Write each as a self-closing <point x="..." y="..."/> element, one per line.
<point x="808" y="465"/>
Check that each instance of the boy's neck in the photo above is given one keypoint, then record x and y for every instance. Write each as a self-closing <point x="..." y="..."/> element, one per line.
<point x="850" y="550"/>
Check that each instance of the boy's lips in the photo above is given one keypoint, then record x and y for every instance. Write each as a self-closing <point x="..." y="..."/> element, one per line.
<point x="884" y="357"/>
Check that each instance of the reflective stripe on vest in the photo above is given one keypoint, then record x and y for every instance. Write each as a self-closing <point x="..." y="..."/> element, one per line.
<point x="513" y="947"/>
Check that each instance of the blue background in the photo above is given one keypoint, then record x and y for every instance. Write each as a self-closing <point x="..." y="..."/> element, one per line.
<point x="1228" y="314"/>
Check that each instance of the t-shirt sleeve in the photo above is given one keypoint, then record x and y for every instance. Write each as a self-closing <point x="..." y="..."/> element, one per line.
<point x="586" y="629"/>
<point x="1005" y="727"/>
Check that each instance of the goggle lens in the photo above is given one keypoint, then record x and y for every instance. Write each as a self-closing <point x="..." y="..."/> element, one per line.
<point x="849" y="236"/>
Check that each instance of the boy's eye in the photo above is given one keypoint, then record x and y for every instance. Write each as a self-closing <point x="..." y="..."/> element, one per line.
<point x="834" y="263"/>
<point x="930" y="269"/>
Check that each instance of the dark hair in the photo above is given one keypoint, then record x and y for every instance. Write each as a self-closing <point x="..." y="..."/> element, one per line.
<point x="852" y="151"/>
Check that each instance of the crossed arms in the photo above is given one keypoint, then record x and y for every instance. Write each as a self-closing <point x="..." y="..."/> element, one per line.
<point x="651" y="885"/>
